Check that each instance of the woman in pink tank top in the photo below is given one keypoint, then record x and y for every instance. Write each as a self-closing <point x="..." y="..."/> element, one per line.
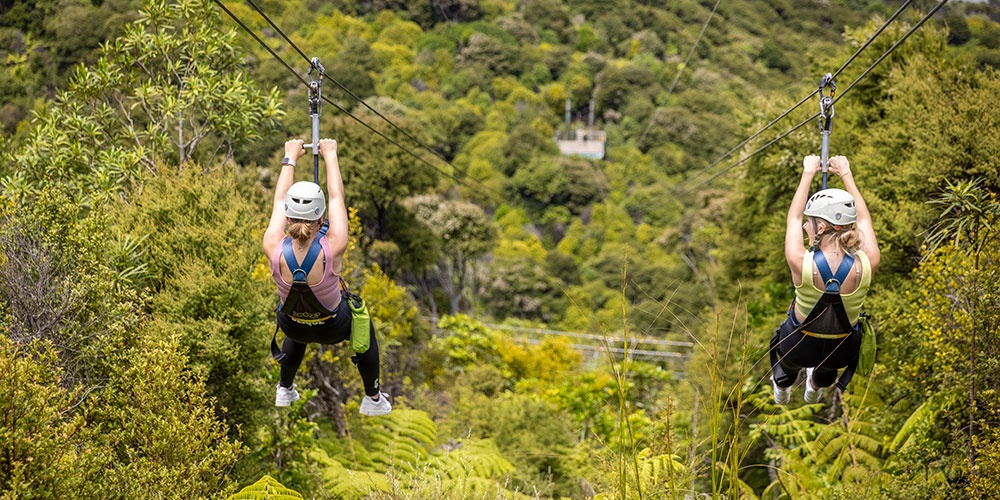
<point x="320" y="313"/>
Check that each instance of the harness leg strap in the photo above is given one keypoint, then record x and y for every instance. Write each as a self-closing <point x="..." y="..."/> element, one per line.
<point x="275" y="350"/>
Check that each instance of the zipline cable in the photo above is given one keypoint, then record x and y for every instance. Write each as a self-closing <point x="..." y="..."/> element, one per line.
<point x="858" y="79"/>
<point x="871" y="38"/>
<point x="752" y="154"/>
<point x="344" y="88"/>
<point x="892" y="48"/>
<point x="462" y="181"/>
<point x="802" y="101"/>
<point x="261" y="42"/>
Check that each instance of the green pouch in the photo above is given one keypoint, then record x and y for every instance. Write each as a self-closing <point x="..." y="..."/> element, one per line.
<point x="360" y="323"/>
<point x="866" y="358"/>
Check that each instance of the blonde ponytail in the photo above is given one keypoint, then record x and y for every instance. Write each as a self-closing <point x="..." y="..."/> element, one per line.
<point x="300" y="230"/>
<point x="850" y="240"/>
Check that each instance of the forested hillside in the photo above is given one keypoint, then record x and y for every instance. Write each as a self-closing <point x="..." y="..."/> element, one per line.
<point x="551" y="326"/>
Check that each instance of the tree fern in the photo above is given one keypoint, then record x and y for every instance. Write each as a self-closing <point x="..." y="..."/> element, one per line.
<point x="787" y="425"/>
<point x="267" y="488"/>
<point x="845" y="454"/>
<point x="920" y="419"/>
<point x="401" y="438"/>
<point x="472" y="458"/>
<point x="345" y="483"/>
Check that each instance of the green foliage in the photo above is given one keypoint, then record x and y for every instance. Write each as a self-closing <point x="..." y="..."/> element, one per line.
<point x="484" y="84"/>
<point x="169" y="90"/>
<point x="395" y="455"/>
<point x="150" y="432"/>
<point x="566" y="182"/>
<point x="468" y="343"/>
<point x="400" y="440"/>
<point x="201" y="249"/>
<point x="45" y="449"/>
<point x="266" y="489"/>
<point x="57" y="284"/>
<point x="161" y="427"/>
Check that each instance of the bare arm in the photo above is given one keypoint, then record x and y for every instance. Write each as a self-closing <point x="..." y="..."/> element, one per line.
<point x="336" y="208"/>
<point x="276" y="227"/>
<point x="794" y="249"/>
<point x="840" y="166"/>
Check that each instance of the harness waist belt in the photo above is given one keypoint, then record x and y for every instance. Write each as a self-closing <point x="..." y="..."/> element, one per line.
<point x="828" y="336"/>
<point x="310" y="321"/>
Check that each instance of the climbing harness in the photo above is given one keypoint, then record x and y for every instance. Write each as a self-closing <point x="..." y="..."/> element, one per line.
<point x="828" y="318"/>
<point x="826" y="120"/>
<point x="315" y="106"/>
<point x="301" y="304"/>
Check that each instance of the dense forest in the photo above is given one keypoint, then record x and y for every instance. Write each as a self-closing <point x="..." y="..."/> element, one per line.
<point x="551" y="326"/>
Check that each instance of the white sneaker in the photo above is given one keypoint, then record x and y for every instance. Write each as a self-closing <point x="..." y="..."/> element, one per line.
<point x="781" y="394"/>
<point x="373" y="408"/>
<point x="285" y="397"/>
<point x="812" y="395"/>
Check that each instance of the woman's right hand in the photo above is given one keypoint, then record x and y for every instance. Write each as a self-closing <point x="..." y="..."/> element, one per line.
<point x="840" y="166"/>
<point x="327" y="146"/>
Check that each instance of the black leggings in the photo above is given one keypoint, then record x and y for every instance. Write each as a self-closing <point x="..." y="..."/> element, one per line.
<point x="332" y="331"/>
<point x="797" y="350"/>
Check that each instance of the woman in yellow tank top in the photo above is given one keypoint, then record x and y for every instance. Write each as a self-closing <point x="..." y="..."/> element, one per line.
<point x="838" y="225"/>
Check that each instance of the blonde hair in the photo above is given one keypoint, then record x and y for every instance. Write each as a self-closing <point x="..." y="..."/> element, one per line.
<point x="849" y="238"/>
<point x="301" y="230"/>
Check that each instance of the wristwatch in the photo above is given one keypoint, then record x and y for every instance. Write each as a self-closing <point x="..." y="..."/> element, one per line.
<point x="288" y="161"/>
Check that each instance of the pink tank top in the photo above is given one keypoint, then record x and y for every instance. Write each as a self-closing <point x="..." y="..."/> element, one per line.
<point x="327" y="291"/>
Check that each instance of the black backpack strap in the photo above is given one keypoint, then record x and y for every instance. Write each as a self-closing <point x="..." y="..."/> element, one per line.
<point x="275" y="350"/>
<point x="299" y="275"/>
<point x="845" y="378"/>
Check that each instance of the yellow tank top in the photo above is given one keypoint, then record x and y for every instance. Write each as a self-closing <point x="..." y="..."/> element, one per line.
<point x="806" y="294"/>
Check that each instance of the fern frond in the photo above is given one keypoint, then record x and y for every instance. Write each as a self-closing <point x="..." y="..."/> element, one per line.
<point x="473" y="458"/>
<point x="920" y="417"/>
<point x="267" y="488"/>
<point x="349" y="485"/>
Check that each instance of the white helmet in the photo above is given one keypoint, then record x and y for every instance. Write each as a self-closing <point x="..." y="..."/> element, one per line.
<point x="835" y="206"/>
<point x="305" y="201"/>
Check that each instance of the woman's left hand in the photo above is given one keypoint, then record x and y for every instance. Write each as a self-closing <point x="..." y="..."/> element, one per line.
<point x="811" y="164"/>
<point x="293" y="149"/>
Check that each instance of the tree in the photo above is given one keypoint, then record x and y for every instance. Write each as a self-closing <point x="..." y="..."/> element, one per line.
<point x="968" y="222"/>
<point x="573" y="183"/>
<point x="43" y="441"/>
<point x="209" y="282"/>
<point x="378" y="174"/>
<point x="58" y="284"/>
<point x="171" y="89"/>
<point x="157" y="422"/>
<point x="464" y="234"/>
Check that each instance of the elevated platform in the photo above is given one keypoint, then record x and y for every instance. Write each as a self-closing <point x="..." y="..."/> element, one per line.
<point x="585" y="143"/>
